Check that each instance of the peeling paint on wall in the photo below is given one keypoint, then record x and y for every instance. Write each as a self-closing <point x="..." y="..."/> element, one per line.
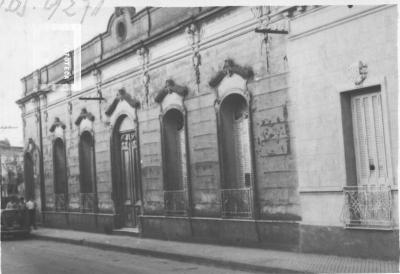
<point x="273" y="133"/>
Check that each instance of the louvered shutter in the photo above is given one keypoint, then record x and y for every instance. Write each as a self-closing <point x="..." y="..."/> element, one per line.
<point x="242" y="148"/>
<point x="182" y="152"/>
<point x="369" y="139"/>
<point x="237" y="135"/>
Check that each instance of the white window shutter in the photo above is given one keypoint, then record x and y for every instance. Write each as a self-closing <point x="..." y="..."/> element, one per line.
<point x="369" y="139"/>
<point x="379" y="137"/>
<point x="237" y="133"/>
<point x="182" y="152"/>
<point x="242" y="147"/>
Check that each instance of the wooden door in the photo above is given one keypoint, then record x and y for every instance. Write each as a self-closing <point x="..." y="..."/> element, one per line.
<point x="128" y="177"/>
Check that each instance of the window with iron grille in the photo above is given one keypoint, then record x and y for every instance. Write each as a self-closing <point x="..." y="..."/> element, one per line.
<point x="236" y="192"/>
<point x="174" y="145"/>
<point x="367" y="196"/>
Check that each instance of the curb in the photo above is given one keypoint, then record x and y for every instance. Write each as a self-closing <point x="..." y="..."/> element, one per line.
<point x="171" y="256"/>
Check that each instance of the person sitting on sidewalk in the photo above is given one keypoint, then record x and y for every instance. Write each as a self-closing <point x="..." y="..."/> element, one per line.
<point x="30" y="205"/>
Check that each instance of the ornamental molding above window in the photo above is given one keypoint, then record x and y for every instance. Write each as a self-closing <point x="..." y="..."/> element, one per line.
<point x="122" y="95"/>
<point x="171" y="95"/>
<point x="57" y="128"/>
<point x="84" y="115"/>
<point x="85" y="121"/>
<point x="170" y="87"/>
<point x="123" y="104"/>
<point x="57" y="123"/>
<point x="228" y="70"/>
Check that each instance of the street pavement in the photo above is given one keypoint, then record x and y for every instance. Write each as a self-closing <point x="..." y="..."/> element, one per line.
<point x="238" y="258"/>
<point x="32" y="256"/>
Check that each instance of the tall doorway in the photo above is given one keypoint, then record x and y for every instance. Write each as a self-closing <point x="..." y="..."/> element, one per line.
<point x="29" y="176"/>
<point x="87" y="173"/>
<point x="127" y="177"/>
<point x="60" y="175"/>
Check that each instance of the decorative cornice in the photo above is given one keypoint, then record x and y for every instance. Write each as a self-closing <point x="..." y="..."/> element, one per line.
<point x="154" y="34"/>
<point x="57" y="123"/>
<point x="228" y="69"/>
<point x="122" y="95"/>
<point x="84" y="115"/>
<point x="170" y="87"/>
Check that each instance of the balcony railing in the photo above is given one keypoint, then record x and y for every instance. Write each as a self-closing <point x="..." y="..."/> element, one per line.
<point x="88" y="202"/>
<point x="237" y="202"/>
<point x="175" y="202"/>
<point x="61" y="201"/>
<point x="367" y="206"/>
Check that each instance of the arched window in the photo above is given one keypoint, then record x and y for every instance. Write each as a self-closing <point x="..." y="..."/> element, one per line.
<point x="87" y="172"/>
<point x="174" y="152"/>
<point x="29" y="176"/>
<point x="236" y="142"/>
<point x="60" y="174"/>
<point x="175" y="165"/>
<point x="236" y="185"/>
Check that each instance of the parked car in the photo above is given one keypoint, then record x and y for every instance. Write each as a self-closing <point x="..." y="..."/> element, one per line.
<point x="14" y="222"/>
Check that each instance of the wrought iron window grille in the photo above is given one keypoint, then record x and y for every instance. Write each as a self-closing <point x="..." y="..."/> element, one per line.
<point x="175" y="202"/>
<point x="236" y="202"/>
<point x="61" y="201"/>
<point x="88" y="202"/>
<point x="368" y="206"/>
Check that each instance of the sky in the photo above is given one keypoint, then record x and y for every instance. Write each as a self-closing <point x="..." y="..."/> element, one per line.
<point x="28" y="39"/>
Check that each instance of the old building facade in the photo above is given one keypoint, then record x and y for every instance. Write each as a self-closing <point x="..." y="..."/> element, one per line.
<point x="265" y="126"/>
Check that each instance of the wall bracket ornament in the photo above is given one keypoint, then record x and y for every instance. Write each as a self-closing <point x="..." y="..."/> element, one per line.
<point x="228" y="69"/>
<point x="122" y="95"/>
<point x="358" y="72"/>
<point x="265" y="27"/>
<point x="170" y="87"/>
<point x="46" y="118"/>
<point x="194" y="34"/>
<point x="144" y="53"/>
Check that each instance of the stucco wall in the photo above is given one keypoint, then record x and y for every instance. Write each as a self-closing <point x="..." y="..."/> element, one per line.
<point x="228" y="35"/>
<point x="321" y="47"/>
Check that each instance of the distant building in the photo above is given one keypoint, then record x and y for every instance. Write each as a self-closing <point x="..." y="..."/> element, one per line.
<point x="266" y="126"/>
<point x="11" y="166"/>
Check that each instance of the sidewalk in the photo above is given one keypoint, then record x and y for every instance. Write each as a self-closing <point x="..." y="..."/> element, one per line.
<point x="248" y="259"/>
